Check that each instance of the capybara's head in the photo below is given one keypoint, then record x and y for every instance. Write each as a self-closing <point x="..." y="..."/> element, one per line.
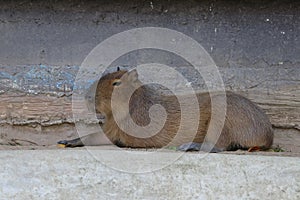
<point x="118" y="84"/>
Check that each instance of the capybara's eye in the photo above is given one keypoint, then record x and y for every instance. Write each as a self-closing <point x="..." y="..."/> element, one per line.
<point x="116" y="82"/>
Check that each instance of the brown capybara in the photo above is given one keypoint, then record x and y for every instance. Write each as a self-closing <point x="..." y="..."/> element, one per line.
<point x="245" y="126"/>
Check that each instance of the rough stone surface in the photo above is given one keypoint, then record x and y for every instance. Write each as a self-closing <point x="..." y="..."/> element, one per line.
<point x="52" y="174"/>
<point x="254" y="44"/>
<point x="248" y="34"/>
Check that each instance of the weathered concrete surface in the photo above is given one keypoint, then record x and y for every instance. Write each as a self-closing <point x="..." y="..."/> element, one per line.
<point x="58" y="33"/>
<point x="254" y="44"/>
<point x="77" y="174"/>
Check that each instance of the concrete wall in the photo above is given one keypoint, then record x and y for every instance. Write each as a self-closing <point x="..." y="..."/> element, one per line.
<point x="255" y="44"/>
<point x="59" y="33"/>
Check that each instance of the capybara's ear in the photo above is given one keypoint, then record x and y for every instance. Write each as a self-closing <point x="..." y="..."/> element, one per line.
<point x="118" y="68"/>
<point x="132" y="75"/>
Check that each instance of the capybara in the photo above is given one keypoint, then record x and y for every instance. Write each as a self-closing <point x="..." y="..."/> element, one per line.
<point x="246" y="125"/>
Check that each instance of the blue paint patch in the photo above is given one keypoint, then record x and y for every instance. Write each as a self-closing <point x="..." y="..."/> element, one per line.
<point x="39" y="79"/>
<point x="43" y="79"/>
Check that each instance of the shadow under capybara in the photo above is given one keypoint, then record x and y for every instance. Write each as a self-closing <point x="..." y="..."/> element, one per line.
<point x="245" y="126"/>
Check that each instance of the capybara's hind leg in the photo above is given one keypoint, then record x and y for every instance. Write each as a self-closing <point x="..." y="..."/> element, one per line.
<point x="193" y="146"/>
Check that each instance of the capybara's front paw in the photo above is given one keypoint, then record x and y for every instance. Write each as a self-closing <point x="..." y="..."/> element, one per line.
<point x="71" y="143"/>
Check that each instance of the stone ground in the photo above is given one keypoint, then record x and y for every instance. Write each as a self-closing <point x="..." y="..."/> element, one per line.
<point x="33" y="166"/>
<point x="287" y="141"/>
<point x="59" y="174"/>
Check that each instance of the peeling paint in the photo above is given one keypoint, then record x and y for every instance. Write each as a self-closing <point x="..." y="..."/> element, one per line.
<point x="39" y="79"/>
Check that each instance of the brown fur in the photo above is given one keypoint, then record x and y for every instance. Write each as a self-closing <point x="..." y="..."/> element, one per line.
<point x="245" y="126"/>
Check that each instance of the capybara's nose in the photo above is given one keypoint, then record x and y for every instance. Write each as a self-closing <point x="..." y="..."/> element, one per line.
<point x="101" y="117"/>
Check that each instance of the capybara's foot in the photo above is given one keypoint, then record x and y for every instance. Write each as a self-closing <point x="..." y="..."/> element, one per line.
<point x="193" y="146"/>
<point x="71" y="143"/>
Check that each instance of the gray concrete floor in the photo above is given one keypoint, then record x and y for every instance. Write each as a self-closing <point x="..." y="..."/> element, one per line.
<point x="89" y="173"/>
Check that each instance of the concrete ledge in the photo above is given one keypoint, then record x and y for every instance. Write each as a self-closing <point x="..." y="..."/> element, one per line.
<point x="66" y="174"/>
